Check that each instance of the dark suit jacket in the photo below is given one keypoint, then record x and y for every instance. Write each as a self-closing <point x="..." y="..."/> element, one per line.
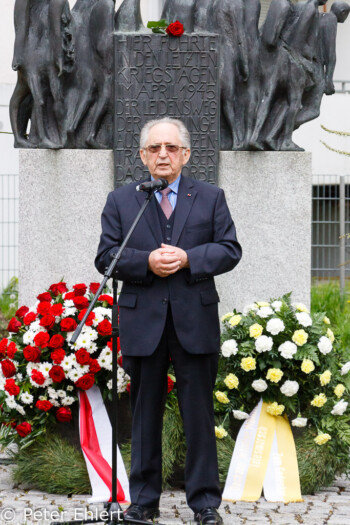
<point x="203" y="227"/>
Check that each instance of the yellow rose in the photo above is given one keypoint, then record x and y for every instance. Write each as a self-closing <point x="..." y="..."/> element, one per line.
<point x="274" y="375"/>
<point x="220" y="432"/>
<point x="262" y="303"/>
<point x="235" y="320"/>
<point x="325" y="377"/>
<point x="274" y="409"/>
<point x="248" y="363"/>
<point x="255" y="330"/>
<point x="319" y="401"/>
<point x="226" y="317"/>
<point x="307" y="366"/>
<point x="321" y="439"/>
<point x="222" y="397"/>
<point x="339" y="390"/>
<point x="330" y="335"/>
<point x="300" y="337"/>
<point x="326" y="320"/>
<point x="231" y="381"/>
<point x="301" y="308"/>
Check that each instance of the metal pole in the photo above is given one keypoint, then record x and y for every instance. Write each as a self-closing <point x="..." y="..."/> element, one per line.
<point x="342" y="233"/>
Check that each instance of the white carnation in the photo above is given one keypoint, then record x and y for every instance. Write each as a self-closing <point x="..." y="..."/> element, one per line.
<point x="275" y="326"/>
<point x="264" y="311"/>
<point x="324" y="345"/>
<point x="304" y="319"/>
<point x="238" y="414"/>
<point x="259" y="385"/>
<point x="289" y="388"/>
<point x="69" y="312"/>
<point x="299" y="422"/>
<point x="345" y="368"/>
<point x="229" y="348"/>
<point x="276" y="305"/>
<point x="263" y="343"/>
<point x="250" y="308"/>
<point x="339" y="408"/>
<point x="288" y="349"/>
<point x="69" y="303"/>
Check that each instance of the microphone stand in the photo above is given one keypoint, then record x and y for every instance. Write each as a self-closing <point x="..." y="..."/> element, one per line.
<point x="113" y="513"/>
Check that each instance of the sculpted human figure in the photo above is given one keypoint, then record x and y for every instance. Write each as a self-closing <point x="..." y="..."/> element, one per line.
<point x="182" y="10"/>
<point x="128" y="16"/>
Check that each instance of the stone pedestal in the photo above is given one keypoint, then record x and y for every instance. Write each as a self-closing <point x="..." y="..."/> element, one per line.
<point x="269" y="195"/>
<point x="62" y="194"/>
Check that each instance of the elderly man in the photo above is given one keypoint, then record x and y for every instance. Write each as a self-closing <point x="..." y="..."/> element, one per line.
<point x="169" y="310"/>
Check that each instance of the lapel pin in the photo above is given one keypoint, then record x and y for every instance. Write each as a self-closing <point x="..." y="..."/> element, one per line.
<point x="189" y="195"/>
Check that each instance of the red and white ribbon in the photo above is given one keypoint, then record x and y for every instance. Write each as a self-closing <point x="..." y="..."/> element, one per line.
<point x="96" y="443"/>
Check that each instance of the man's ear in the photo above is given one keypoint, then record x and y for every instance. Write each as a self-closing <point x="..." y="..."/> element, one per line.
<point x="187" y="155"/>
<point x="143" y="156"/>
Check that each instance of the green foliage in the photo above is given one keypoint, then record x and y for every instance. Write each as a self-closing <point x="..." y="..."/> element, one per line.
<point x="8" y="305"/>
<point x="158" y="26"/>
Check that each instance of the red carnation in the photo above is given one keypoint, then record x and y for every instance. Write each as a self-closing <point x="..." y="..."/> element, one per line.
<point x="64" y="414"/>
<point x="68" y="324"/>
<point x="14" y="325"/>
<point x="21" y="312"/>
<point x="82" y="356"/>
<point x="94" y="366"/>
<point x="46" y="296"/>
<point x="107" y="298"/>
<point x="120" y="361"/>
<point x="94" y="287"/>
<point x="85" y="382"/>
<point x="170" y="384"/>
<point x="8" y="368"/>
<point x="56" y="341"/>
<point x="11" y="350"/>
<point x="79" y="289"/>
<point x="32" y="353"/>
<point x="3" y="346"/>
<point x="57" y="374"/>
<point x="23" y="429"/>
<point x="44" y="405"/>
<point x="104" y="327"/>
<point x="81" y="302"/>
<point x="69" y="295"/>
<point x="47" y="321"/>
<point x="41" y="339"/>
<point x="175" y="29"/>
<point x="90" y="318"/>
<point x="43" y="308"/>
<point x="38" y="377"/>
<point x="57" y="309"/>
<point x="58" y="355"/>
<point x="29" y="318"/>
<point x="58" y="288"/>
<point x="11" y="387"/>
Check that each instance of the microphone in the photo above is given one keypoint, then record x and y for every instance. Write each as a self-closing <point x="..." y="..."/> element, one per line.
<point x="152" y="185"/>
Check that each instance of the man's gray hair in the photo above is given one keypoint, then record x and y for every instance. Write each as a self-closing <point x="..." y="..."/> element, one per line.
<point x="183" y="131"/>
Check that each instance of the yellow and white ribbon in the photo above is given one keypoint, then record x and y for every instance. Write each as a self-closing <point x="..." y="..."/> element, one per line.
<point x="264" y="458"/>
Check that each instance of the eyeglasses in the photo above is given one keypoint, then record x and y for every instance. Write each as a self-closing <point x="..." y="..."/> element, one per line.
<point x="170" y="148"/>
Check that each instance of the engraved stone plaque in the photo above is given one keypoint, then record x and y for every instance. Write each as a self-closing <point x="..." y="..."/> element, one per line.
<point x="158" y="76"/>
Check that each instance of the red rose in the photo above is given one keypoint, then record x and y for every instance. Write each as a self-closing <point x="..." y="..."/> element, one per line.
<point x="58" y="355"/>
<point x="11" y="350"/>
<point x="21" y="312"/>
<point x="120" y="361"/>
<point x="14" y="325"/>
<point x="46" y="296"/>
<point x="13" y="424"/>
<point x="23" y="429"/>
<point x="94" y="287"/>
<point x="68" y="324"/>
<point x="58" y="288"/>
<point x="107" y="298"/>
<point x="47" y="321"/>
<point x="81" y="302"/>
<point x="43" y="308"/>
<point x="41" y="339"/>
<point x="57" y="309"/>
<point x="56" y="341"/>
<point x="44" y="405"/>
<point x="64" y="414"/>
<point x="11" y="387"/>
<point x="104" y="327"/>
<point x="85" y="382"/>
<point x="8" y="368"/>
<point x="170" y="384"/>
<point x="82" y="356"/>
<point x="29" y="318"/>
<point x="79" y="289"/>
<point x="69" y="296"/>
<point x="94" y="366"/>
<point x="175" y="29"/>
<point x="38" y="377"/>
<point x="3" y="346"/>
<point x="57" y="374"/>
<point x="90" y="318"/>
<point x="32" y="353"/>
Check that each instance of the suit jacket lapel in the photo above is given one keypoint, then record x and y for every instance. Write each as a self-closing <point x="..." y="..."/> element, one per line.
<point x="185" y="199"/>
<point x="151" y="216"/>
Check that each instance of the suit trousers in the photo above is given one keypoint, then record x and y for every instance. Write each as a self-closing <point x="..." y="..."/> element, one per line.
<point x="195" y="380"/>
